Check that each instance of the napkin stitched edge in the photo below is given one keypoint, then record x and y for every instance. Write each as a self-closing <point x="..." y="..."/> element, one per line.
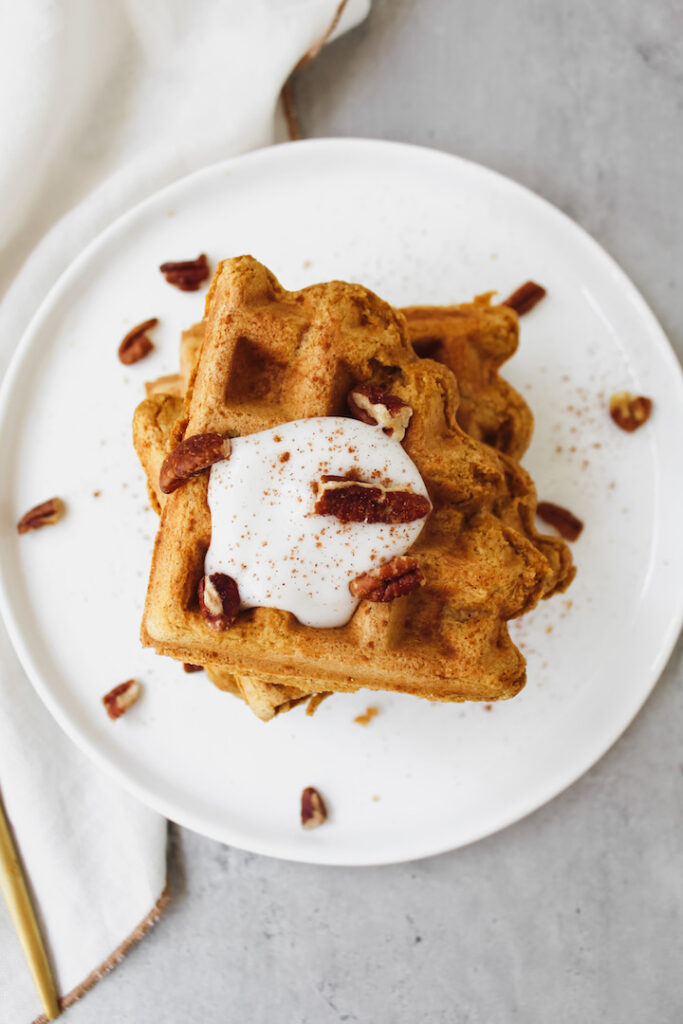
<point x="114" y="958"/>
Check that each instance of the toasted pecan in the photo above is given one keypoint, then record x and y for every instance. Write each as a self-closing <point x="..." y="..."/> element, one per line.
<point x="525" y="297"/>
<point x="313" y="810"/>
<point x="123" y="696"/>
<point x="46" y="514"/>
<point x="628" y="411"/>
<point x="188" y="275"/>
<point x="393" y="579"/>
<point x="371" y="404"/>
<point x="219" y="599"/>
<point x="354" y="501"/>
<point x="136" y="344"/>
<point x="564" y="521"/>
<point x="190" y="457"/>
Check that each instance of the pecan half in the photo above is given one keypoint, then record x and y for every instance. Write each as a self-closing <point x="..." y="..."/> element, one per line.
<point x="219" y="599"/>
<point x="46" y="514"/>
<point x="187" y="275"/>
<point x="525" y="298"/>
<point x="564" y="521"/>
<point x="136" y="345"/>
<point x="628" y="411"/>
<point x="313" y="810"/>
<point x="370" y="404"/>
<point x="354" y="501"/>
<point x="188" y="667"/>
<point x="395" y="578"/>
<point x="190" y="457"/>
<point x="123" y="696"/>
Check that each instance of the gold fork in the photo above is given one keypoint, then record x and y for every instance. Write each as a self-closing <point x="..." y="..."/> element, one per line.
<point x="15" y="893"/>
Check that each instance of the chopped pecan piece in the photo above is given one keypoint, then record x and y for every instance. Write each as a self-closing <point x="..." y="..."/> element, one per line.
<point x="525" y="298"/>
<point x="313" y="810"/>
<point x="189" y="667"/>
<point x="118" y="700"/>
<point x="219" y="600"/>
<point x="354" y="501"/>
<point x="187" y="275"/>
<point x="136" y="345"/>
<point x="46" y="514"/>
<point x="395" y="578"/>
<point x="192" y="456"/>
<point x="564" y="521"/>
<point x="370" y="404"/>
<point x="629" y="411"/>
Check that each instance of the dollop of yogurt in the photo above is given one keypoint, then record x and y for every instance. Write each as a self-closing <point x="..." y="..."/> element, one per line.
<point x="266" y="535"/>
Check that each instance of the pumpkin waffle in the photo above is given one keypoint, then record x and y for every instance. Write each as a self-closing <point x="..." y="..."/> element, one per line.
<point x="474" y="339"/>
<point x="271" y="356"/>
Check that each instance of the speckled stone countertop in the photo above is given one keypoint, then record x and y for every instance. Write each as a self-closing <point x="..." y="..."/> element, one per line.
<point x="576" y="913"/>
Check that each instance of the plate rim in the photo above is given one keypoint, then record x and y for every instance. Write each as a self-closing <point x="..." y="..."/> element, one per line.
<point x="542" y="794"/>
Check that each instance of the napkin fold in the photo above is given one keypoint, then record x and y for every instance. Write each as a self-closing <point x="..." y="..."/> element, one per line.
<point x="101" y="104"/>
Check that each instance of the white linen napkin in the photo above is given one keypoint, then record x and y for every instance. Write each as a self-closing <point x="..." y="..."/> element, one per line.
<point x="100" y="105"/>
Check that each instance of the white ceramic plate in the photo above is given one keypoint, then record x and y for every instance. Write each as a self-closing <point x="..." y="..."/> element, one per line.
<point x="418" y="227"/>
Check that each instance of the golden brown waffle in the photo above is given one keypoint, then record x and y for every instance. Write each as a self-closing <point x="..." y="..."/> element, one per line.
<point x="474" y="340"/>
<point x="467" y="336"/>
<point x="269" y="357"/>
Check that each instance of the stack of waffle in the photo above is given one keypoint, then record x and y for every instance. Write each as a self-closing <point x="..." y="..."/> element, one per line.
<point x="263" y="357"/>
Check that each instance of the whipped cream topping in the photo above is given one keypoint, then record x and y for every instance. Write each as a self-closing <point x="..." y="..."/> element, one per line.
<point x="266" y="535"/>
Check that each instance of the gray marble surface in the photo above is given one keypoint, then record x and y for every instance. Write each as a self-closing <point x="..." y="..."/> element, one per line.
<point x="576" y="913"/>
